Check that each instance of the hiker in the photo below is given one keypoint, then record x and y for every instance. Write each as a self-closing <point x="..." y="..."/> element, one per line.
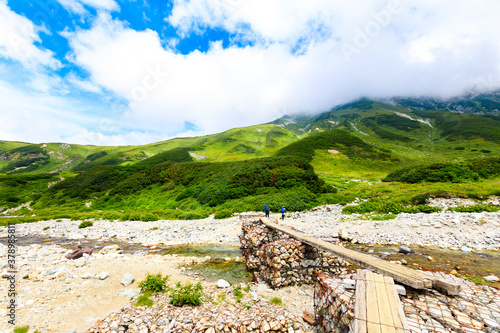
<point x="266" y="210"/>
<point x="283" y="211"/>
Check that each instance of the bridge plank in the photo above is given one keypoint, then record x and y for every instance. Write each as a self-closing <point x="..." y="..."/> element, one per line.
<point x="372" y="309"/>
<point x="387" y="324"/>
<point x="360" y="318"/>
<point x="410" y="277"/>
<point x="397" y="311"/>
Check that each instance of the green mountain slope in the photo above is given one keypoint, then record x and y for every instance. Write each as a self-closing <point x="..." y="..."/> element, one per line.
<point x="298" y="161"/>
<point x="232" y="145"/>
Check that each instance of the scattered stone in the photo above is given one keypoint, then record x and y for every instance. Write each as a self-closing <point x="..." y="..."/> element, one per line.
<point x="127" y="279"/>
<point x="491" y="278"/>
<point x="309" y="318"/>
<point x="129" y="293"/>
<point x="223" y="284"/>
<point x="349" y="283"/>
<point x="79" y="252"/>
<point x="404" y="249"/>
<point x="404" y="262"/>
<point x="88" y="276"/>
<point x="80" y="262"/>
<point x="400" y="289"/>
<point x="109" y="249"/>
<point x="102" y="276"/>
<point x="344" y="235"/>
<point x="465" y="249"/>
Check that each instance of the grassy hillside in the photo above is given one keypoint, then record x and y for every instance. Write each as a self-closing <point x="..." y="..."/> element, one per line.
<point x="232" y="145"/>
<point x="417" y="146"/>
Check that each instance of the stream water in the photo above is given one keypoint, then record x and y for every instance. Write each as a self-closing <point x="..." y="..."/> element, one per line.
<point x="224" y="261"/>
<point x="474" y="266"/>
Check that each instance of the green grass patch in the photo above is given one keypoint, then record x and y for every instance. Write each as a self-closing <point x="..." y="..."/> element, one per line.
<point x="144" y="300"/>
<point x="85" y="224"/>
<point x="276" y="300"/>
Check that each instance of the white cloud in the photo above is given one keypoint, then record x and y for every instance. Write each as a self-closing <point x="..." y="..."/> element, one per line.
<point x="396" y="49"/>
<point x="82" y="84"/>
<point x="376" y="48"/>
<point x="78" y="6"/>
<point x="17" y="38"/>
<point x="73" y="6"/>
<point x="37" y="117"/>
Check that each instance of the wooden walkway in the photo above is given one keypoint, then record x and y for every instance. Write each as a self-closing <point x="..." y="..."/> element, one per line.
<point x="407" y="276"/>
<point x="377" y="305"/>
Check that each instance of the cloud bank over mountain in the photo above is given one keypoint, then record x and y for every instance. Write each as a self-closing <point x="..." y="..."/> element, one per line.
<point x="113" y="72"/>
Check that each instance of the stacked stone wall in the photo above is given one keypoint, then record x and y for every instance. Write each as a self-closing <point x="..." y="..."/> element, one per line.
<point x="333" y="304"/>
<point x="280" y="260"/>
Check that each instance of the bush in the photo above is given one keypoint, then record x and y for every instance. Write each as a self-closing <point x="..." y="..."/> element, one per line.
<point x="85" y="224"/>
<point x="454" y="172"/>
<point x="223" y="214"/>
<point x="154" y="283"/>
<point x="187" y="294"/>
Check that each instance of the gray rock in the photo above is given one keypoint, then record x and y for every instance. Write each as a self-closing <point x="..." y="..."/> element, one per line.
<point x="404" y="262"/>
<point x="88" y="276"/>
<point x="349" y="284"/>
<point x="492" y="278"/>
<point x="71" y="331"/>
<point x="127" y="279"/>
<point x="223" y="284"/>
<point x="404" y="249"/>
<point x="401" y="290"/>
<point x="80" y="262"/>
<point x="465" y="249"/>
<point x="102" y="276"/>
<point x="129" y="293"/>
<point x="109" y="249"/>
<point x="105" y="234"/>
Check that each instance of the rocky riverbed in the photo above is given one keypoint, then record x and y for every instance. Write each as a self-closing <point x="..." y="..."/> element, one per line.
<point x="60" y="295"/>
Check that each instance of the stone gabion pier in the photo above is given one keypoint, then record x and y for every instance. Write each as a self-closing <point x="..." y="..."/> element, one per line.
<point x="333" y="304"/>
<point x="280" y="260"/>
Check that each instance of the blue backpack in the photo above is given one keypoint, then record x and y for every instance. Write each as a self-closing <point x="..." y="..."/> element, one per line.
<point x="282" y="209"/>
<point x="266" y="208"/>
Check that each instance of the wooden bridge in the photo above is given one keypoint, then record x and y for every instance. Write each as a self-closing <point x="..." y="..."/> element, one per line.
<point x="378" y="308"/>
<point x="407" y="276"/>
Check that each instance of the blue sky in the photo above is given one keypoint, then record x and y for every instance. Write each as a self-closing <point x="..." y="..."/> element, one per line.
<point x="116" y="72"/>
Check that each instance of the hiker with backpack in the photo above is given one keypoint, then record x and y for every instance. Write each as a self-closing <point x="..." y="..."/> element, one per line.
<point x="266" y="210"/>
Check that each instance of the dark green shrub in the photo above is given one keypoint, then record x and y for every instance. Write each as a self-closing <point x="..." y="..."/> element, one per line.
<point x="85" y="224"/>
<point x="420" y="199"/>
<point x="223" y="214"/>
<point x="149" y="217"/>
<point x="455" y="172"/>
<point x="187" y="294"/>
<point x="154" y="283"/>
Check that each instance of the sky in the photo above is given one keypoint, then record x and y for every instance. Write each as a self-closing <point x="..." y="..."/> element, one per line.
<point x="131" y="72"/>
